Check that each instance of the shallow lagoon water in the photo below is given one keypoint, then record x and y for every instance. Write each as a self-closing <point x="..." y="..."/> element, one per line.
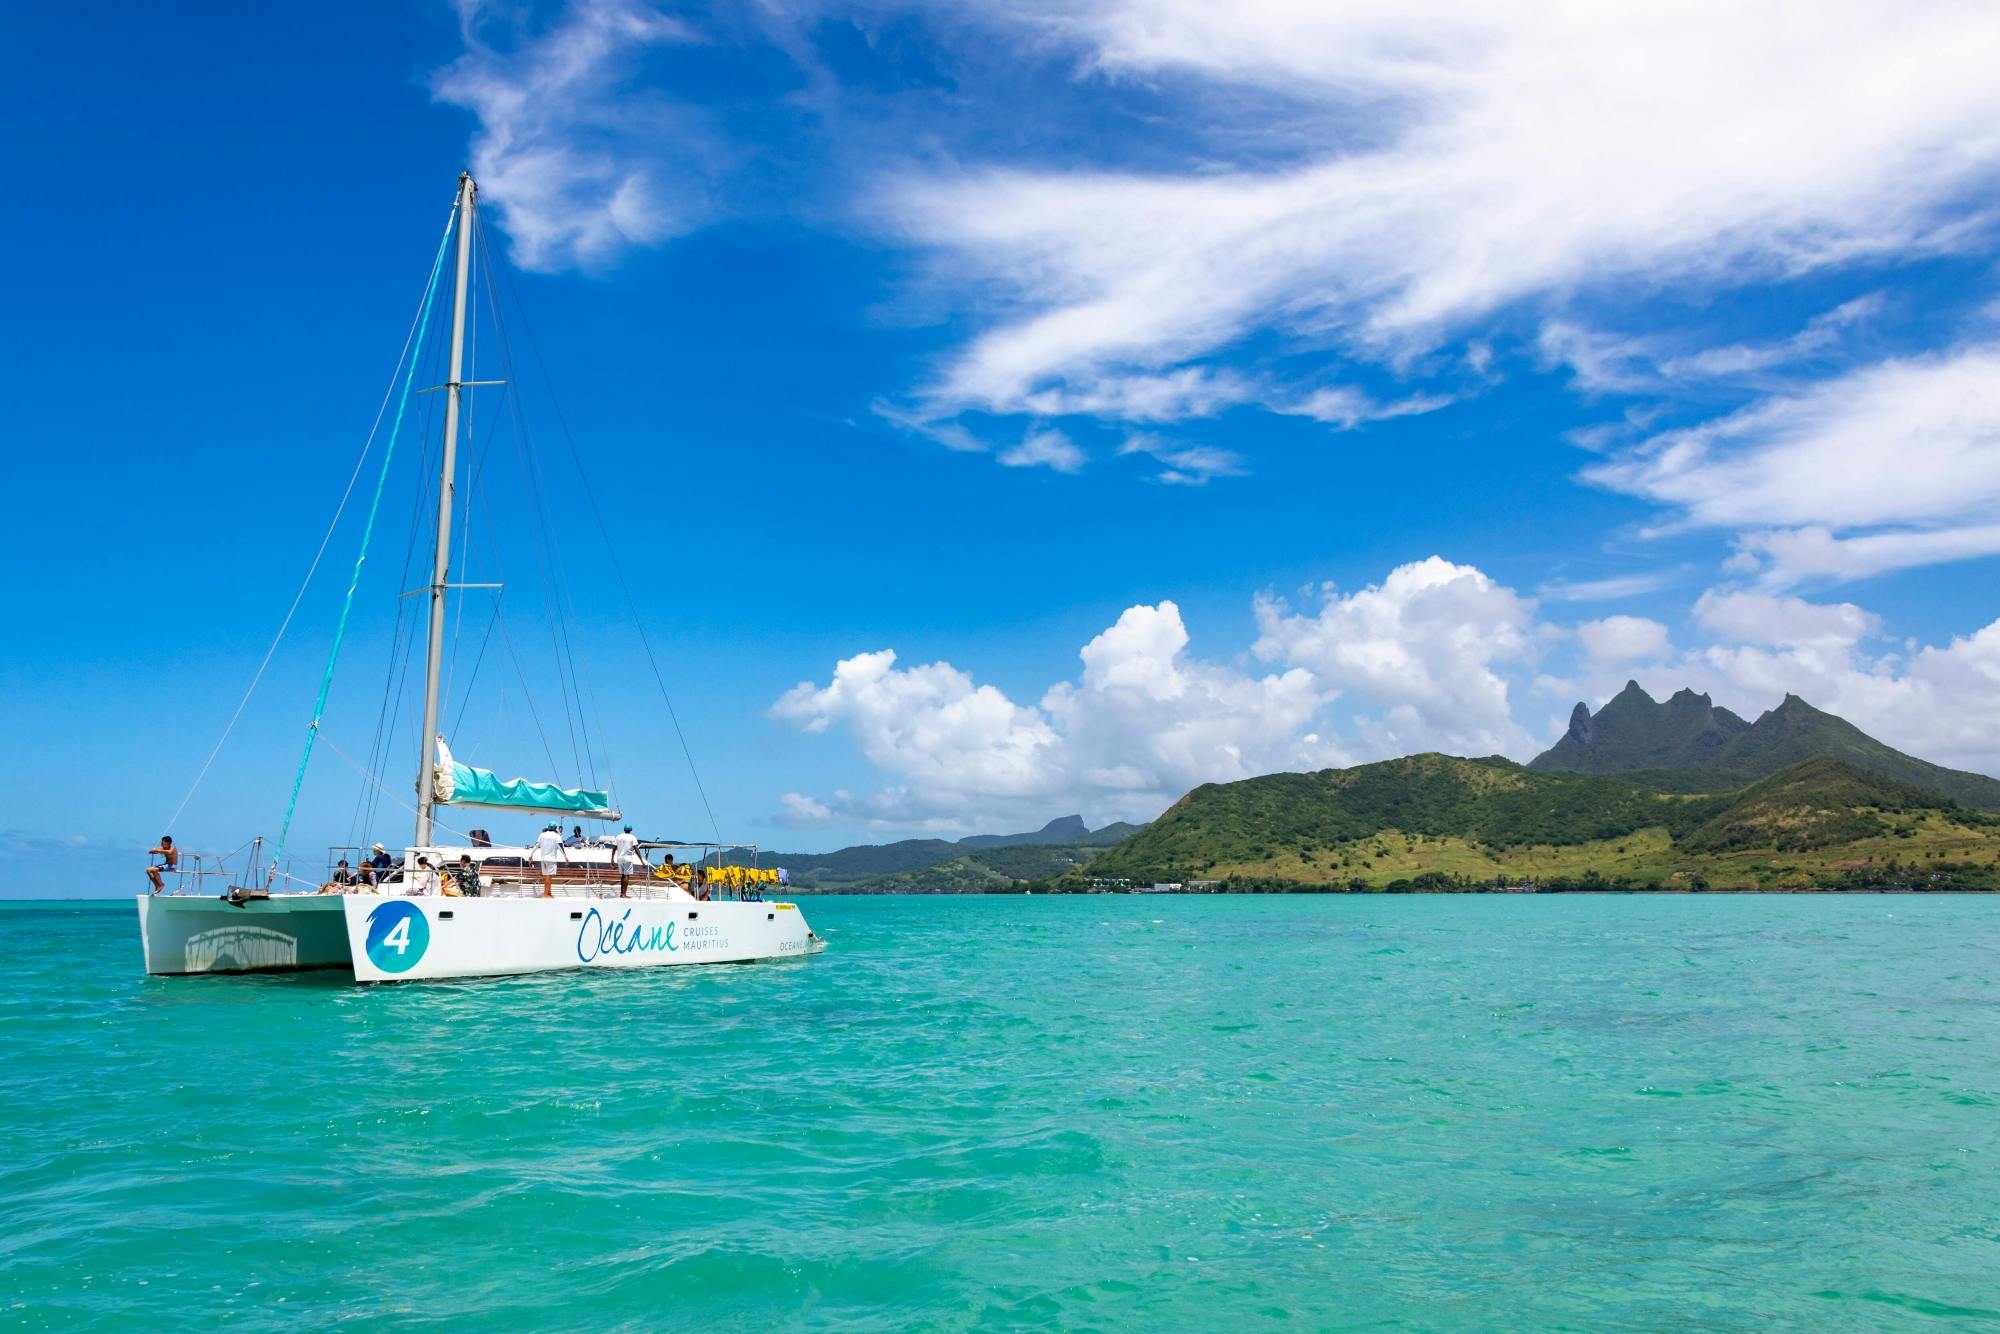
<point x="1582" y="1112"/>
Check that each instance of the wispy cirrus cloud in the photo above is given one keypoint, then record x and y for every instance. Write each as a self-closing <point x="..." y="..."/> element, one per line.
<point x="1474" y="157"/>
<point x="1183" y="464"/>
<point x="1891" y="464"/>
<point x="1611" y="587"/>
<point x="580" y="159"/>
<point x="1049" y="449"/>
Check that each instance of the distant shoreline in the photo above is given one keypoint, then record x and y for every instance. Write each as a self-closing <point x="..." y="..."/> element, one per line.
<point x="16" y="899"/>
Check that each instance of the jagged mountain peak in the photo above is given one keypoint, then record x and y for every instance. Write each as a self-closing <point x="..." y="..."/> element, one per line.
<point x="1704" y="747"/>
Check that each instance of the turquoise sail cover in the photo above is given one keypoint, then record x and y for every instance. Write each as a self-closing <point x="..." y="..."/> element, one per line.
<point x="462" y="785"/>
<point x="482" y="787"/>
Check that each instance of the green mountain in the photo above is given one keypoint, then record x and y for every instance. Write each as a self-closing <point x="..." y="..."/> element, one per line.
<point x="1687" y="744"/>
<point x="974" y="862"/>
<point x="1633" y="732"/>
<point x="1068" y="829"/>
<point x="991" y="868"/>
<point x="1434" y="821"/>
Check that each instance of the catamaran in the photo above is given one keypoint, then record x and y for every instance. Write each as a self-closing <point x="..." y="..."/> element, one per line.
<point x="467" y="907"/>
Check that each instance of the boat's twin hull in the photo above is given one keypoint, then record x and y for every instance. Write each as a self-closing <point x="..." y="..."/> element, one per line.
<point x="387" y="939"/>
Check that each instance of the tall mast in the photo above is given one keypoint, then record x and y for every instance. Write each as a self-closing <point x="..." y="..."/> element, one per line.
<point x="441" y="565"/>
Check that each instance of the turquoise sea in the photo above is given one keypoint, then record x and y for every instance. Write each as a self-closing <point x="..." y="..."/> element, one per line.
<point x="1588" y="1113"/>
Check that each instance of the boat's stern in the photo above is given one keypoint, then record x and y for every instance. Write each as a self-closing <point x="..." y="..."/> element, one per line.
<point x="184" y="934"/>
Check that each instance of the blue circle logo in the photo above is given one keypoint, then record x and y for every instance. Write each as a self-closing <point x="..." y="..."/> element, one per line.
<point x="398" y="935"/>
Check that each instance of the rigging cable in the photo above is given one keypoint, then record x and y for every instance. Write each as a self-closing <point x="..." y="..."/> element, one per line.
<point x="298" y="597"/>
<point x="367" y="532"/>
<point x="556" y="582"/>
<point x="422" y="506"/>
<point x="618" y="569"/>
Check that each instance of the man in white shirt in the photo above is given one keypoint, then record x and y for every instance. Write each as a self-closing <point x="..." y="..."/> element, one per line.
<point x="424" y="881"/>
<point x="548" y="852"/>
<point x="625" y="848"/>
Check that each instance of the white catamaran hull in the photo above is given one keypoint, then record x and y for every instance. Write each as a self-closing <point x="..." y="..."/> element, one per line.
<point x="390" y="939"/>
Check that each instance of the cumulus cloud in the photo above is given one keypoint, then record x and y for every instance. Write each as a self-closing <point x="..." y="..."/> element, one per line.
<point x="933" y="726"/>
<point x="579" y="162"/>
<point x="1485" y="155"/>
<point x="1907" y="450"/>
<point x="1425" y="648"/>
<point x="1144" y="723"/>
<point x="1437" y="656"/>
<point x="1622" y="639"/>
<point x="798" y="809"/>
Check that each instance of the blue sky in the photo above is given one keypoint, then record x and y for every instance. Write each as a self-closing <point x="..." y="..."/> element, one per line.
<point x="1176" y="393"/>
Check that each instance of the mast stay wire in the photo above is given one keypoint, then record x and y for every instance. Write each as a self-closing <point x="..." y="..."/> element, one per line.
<point x="326" y="539"/>
<point x="617" y="567"/>
<point x="558" y="589"/>
<point x="367" y="533"/>
<point x="547" y="575"/>
<point x="520" y="675"/>
<point x="401" y="648"/>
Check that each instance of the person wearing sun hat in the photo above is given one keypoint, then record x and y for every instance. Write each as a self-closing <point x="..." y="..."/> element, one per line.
<point x="379" y="864"/>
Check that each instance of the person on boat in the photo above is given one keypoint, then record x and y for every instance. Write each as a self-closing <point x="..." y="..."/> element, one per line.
<point x="341" y="881"/>
<point x="549" y="851"/>
<point x="466" y="873"/>
<point x="425" y="881"/>
<point x="170" y="858"/>
<point x="625" y="849"/>
<point x="379" y="865"/>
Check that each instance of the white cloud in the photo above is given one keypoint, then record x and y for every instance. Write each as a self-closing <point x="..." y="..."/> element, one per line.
<point x="931" y="724"/>
<point x="1437" y="656"/>
<point x="1480" y="155"/>
<point x="1345" y="407"/>
<point x="1623" y="639"/>
<point x="1626" y="363"/>
<point x="1044" y="449"/>
<point x="1909" y="445"/>
<point x="1608" y="589"/>
<point x="1143" y="724"/>
<point x="798" y="809"/>
<point x="1185" y="465"/>
<point x="1788" y="556"/>
<point x="579" y="162"/>
<point x="1426" y="647"/>
<point x="1822" y="334"/>
<point x="1740" y="617"/>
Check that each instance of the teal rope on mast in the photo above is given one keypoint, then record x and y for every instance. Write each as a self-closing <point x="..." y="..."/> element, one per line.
<point x="367" y="532"/>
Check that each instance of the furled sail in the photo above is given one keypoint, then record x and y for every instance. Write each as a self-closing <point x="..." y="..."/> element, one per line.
<point x="462" y="785"/>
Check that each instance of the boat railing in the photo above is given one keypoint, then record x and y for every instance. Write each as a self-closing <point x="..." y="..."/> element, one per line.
<point x="184" y="876"/>
<point x="588" y="872"/>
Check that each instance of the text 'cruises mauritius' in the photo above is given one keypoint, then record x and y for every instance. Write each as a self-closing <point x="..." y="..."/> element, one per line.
<point x="461" y="901"/>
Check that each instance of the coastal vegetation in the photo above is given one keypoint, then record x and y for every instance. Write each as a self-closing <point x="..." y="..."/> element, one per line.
<point x="1434" y="822"/>
<point x="1643" y="795"/>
